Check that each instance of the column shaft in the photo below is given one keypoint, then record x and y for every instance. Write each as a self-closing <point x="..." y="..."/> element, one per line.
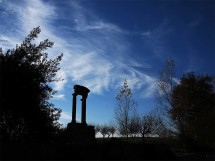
<point x="83" y="114"/>
<point x="74" y="108"/>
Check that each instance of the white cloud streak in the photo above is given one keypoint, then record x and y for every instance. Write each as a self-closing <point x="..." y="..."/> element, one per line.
<point x="58" y="96"/>
<point x="66" y="115"/>
<point x="97" y="54"/>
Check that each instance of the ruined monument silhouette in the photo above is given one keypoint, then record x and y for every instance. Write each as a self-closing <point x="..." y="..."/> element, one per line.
<point x="80" y="132"/>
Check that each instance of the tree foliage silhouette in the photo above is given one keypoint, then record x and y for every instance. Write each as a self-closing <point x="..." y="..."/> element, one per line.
<point x="193" y="109"/>
<point x="186" y="108"/>
<point x="25" y="76"/>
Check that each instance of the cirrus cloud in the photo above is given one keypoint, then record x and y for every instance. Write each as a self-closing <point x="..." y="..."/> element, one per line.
<point x="97" y="53"/>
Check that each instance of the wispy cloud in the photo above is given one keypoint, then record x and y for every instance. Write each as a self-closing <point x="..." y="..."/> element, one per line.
<point x="147" y="33"/>
<point x="97" y="53"/>
<point x="143" y="82"/>
<point x="8" y="42"/>
<point x="154" y="39"/>
<point x="66" y="115"/>
<point x="195" y="23"/>
<point x="59" y="85"/>
<point x="65" y="118"/>
<point x="58" y="96"/>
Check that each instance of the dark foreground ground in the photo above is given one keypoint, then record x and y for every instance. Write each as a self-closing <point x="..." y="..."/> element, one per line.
<point x="109" y="149"/>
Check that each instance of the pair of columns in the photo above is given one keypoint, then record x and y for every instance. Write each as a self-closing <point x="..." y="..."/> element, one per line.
<point x="83" y="109"/>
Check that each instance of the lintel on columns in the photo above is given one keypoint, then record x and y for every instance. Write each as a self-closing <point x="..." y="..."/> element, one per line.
<point x="83" y="91"/>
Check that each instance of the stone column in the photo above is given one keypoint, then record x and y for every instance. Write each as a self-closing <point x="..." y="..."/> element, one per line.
<point x="83" y="114"/>
<point x="74" y="108"/>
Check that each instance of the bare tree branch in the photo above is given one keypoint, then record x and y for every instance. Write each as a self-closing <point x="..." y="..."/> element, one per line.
<point x="125" y="109"/>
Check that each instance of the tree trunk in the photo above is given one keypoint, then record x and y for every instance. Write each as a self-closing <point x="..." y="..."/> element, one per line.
<point x="143" y="138"/>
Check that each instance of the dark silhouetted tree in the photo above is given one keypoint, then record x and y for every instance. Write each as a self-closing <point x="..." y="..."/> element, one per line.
<point x="112" y="130"/>
<point x="133" y="126"/>
<point x="97" y="129"/>
<point x="124" y="110"/>
<point x="160" y="127"/>
<point x="147" y="124"/>
<point x="104" y="130"/>
<point x="25" y="76"/>
<point x="193" y="109"/>
<point x="165" y="85"/>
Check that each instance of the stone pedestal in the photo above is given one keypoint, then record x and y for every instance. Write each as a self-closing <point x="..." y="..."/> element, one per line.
<point x="81" y="133"/>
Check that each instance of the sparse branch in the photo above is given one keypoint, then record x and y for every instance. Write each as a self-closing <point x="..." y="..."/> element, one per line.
<point x="124" y="110"/>
<point x="165" y="87"/>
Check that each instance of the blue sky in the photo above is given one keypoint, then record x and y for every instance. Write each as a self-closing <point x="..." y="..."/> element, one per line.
<point x="107" y="41"/>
